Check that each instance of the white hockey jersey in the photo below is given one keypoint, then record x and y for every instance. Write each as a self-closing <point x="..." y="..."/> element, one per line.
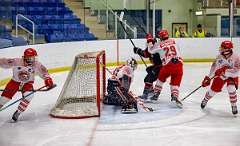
<point x="233" y="62"/>
<point x="23" y="73"/>
<point x="167" y="50"/>
<point x="123" y="70"/>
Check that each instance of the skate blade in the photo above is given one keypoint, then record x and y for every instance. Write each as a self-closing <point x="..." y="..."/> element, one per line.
<point x="178" y="105"/>
<point x="235" y="114"/>
<point x="12" y="121"/>
<point x="129" y="112"/>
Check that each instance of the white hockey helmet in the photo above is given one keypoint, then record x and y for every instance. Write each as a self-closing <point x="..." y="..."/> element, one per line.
<point x="132" y="63"/>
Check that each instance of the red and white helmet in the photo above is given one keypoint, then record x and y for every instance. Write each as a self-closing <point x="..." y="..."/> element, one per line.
<point x="29" y="56"/>
<point x="163" y="34"/>
<point x="30" y="52"/>
<point x="227" y="45"/>
<point x="226" y="48"/>
<point x="149" y="37"/>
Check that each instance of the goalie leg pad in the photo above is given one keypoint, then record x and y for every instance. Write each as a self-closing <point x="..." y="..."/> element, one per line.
<point x="113" y="100"/>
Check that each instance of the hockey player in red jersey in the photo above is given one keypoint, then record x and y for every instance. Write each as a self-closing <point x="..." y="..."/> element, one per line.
<point x="24" y="70"/>
<point x="118" y="87"/>
<point x="224" y="70"/>
<point x="153" y="70"/>
<point x="172" y="66"/>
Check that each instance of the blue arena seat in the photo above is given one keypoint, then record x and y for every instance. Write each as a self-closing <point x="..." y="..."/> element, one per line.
<point x="4" y="43"/>
<point x="53" y="19"/>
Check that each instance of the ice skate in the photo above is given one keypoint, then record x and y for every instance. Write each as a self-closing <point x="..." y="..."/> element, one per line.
<point x="15" y="116"/>
<point x="153" y="97"/>
<point x="144" y="97"/>
<point x="176" y="101"/>
<point x="204" y="103"/>
<point x="234" y="110"/>
<point x="145" y="94"/>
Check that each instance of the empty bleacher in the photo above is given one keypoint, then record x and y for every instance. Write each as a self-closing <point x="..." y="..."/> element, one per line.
<point x="7" y="40"/>
<point x="52" y="18"/>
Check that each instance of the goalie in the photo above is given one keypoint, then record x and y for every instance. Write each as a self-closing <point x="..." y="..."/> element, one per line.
<point x="118" y="87"/>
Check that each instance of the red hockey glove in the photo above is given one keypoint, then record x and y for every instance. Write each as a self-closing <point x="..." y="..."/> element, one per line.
<point x="206" y="81"/>
<point x="48" y="82"/>
<point x="221" y="71"/>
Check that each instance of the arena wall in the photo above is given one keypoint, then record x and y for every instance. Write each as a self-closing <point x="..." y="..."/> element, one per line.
<point x="60" y="56"/>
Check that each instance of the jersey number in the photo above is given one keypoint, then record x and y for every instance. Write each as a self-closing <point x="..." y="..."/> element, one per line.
<point x="170" y="51"/>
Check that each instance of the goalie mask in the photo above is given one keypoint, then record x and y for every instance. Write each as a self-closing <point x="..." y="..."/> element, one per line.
<point x="132" y="63"/>
<point x="226" y="48"/>
<point x="29" y="56"/>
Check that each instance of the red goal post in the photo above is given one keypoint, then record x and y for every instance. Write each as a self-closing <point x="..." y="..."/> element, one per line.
<point x="83" y="89"/>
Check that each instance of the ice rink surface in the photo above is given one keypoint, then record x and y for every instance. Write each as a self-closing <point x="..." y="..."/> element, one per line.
<point x="166" y="126"/>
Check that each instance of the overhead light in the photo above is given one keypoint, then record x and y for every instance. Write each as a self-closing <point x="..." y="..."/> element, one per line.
<point x="198" y="13"/>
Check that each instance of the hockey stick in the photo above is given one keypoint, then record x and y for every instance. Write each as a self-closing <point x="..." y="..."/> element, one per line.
<point x="33" y="91"/>
<point x="9" y="90"/>
<point x="194" y="90"/>
<point x="136" y="98"/>
<point x="140" y="102"/>
<point x="133" y="18"/>
<point x="120" y="20"/>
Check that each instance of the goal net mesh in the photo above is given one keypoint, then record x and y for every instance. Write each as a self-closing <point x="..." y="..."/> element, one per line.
<point x="83" y="89"/>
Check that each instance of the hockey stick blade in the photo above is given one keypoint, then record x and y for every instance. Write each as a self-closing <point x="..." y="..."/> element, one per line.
<point x="53" y="86"/>
<point x="150" y="109"/>
<point x="121" y="16"/>
<point x="140" y="102"/>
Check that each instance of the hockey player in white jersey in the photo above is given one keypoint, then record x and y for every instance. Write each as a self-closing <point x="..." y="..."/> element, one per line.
<point x="152" y="70"/>
<point x="172" y="66"/>
<point x="224" y="70"/>
<point x="118" y="87"/>
<point x="24" y="70"/>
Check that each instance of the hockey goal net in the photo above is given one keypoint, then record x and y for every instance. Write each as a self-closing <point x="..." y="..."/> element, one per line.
<point x="83" y="89"/>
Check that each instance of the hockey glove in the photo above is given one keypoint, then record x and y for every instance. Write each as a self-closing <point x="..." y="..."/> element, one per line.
<point x="221" y="71"/>
<point x="206" y="81"/>
<point x="136" y="50"/>
<point x="48" y="82"/>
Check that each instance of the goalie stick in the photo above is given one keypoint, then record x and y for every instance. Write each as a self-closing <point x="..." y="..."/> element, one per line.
<point x="135" y="21"/>
<point x="140" y="102"/>
<point x="135" y="97"/>
<point x="120" y="20"/>
<point x="33" y="91"/>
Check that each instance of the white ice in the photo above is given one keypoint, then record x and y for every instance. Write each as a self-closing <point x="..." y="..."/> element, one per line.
<point x="166" y="126"/>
